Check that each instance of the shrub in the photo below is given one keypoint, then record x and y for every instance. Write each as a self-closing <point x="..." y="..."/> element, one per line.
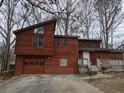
<point x="90" y="73"/>
<point x="8" y="74"/>
<point x="104" y="68"/>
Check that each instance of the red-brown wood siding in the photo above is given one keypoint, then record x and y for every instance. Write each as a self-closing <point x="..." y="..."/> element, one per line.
<point x="24" y="42"/>
<point x="49" y="52"/>
<point x="93" y="58"/>
<point x="105" y="56"/>
<point x="19" y="65"/>
<point x="89" y="42"/>
<point x="70" y="52"/>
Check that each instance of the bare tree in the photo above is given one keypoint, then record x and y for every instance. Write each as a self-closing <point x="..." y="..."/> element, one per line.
<point x="86" y="18"/>
<point x="11" y="18"/>
<point x="109" y="16"/>
<point x="64" y="10"/>
<point x="1" y="2"/>
<point x="121" y="46"/>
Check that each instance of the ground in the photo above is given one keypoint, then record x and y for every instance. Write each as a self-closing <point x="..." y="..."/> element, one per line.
<point x="47" y="84"/>
<point x="110" y="85"/>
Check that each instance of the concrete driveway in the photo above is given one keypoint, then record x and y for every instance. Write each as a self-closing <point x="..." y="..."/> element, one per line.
<point x="47" y="84"/>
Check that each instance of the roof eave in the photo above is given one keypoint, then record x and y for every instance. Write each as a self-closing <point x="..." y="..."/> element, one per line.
<point x="35" y="25"/>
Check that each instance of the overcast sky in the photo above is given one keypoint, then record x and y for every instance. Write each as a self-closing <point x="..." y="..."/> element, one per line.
<point x="119" y="35"/>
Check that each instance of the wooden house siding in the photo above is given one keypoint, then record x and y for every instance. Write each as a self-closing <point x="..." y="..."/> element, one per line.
<point x="46" y="59"/>
<point x="70" y="52"/>
<point x="50" y="53"/>
<point x="24" y="42"/>
<point x="89" y="43"/>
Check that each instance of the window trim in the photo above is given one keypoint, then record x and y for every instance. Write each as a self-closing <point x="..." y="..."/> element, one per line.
<point x="63" y="64"/>
<point x="38" y="32"/>
<point x="38" y="41"/>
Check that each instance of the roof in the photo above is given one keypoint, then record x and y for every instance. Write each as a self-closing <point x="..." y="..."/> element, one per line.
<point x="35" y="25"/>
<point x="100" y="50"/>
<point x="97" y="40"/>
<point x="66" y="36"/>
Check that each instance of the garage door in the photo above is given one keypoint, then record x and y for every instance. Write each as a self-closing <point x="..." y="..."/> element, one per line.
<point x="33" y="66"/>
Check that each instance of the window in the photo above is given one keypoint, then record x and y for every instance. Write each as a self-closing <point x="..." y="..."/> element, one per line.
<point x="57" y="41"/>
<point x="63" y="62"/>
<point x="37" y="41"/>
<point x="65" y="42"/>
<point x="39" y="30"/>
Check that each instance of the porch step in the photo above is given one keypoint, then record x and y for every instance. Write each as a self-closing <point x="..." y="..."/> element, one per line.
<point x="117" y="66"/>
<point x="94" y="68"/>
<point x="83" y="70"/>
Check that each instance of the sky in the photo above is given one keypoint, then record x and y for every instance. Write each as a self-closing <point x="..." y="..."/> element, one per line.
<point x="119" y="35"/>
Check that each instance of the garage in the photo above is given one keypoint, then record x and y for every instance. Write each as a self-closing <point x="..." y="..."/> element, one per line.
<point x="33" y="66"/>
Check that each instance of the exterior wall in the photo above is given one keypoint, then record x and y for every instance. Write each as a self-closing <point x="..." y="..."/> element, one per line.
<point x="70" y="52"/>
<point x="24" y="42"/>
<point x="105" y="56"/>
<point x="19" y="65"/>
<point x="93" y="58"/>
<point x="80" y="55"/>
<point x="52" y="54"/>
<point x="111" y="55"/>
<point x="89" y="43"/>
<point x="52" y="64"/>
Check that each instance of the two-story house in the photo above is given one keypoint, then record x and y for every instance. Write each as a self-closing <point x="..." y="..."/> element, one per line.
<point x="39" y="51"/>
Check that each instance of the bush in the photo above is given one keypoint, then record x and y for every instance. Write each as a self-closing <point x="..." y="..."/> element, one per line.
<point x="90" y="73"/>
<point x="8" y="74"/>
<point x="104" y="68"/>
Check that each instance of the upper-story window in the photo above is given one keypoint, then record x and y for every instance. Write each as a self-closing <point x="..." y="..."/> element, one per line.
<point x="57" y="41"/>
<point x="39" y="30"/>
<point x="37" y="41"/>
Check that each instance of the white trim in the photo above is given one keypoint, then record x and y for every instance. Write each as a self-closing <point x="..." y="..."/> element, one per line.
<point x="86" y="58"/>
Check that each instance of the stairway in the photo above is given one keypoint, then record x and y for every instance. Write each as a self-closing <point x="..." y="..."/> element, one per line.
<point x="89" y="67"/>
<point x="94" y="68"/>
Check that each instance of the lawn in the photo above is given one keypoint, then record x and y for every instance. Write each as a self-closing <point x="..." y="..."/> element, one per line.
<point x="110" y="85"/>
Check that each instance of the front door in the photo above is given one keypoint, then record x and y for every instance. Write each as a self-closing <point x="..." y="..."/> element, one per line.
<point x="86" y="58"/>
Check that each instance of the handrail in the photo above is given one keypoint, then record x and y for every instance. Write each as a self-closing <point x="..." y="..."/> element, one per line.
<point x="89" y="66"/>
<point x="99" y="63"/>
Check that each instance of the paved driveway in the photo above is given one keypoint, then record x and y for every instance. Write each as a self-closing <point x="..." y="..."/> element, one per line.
<point x="47" y="84"/>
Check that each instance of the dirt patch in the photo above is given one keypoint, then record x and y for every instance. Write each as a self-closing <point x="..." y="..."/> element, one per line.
<point x="2" y="79"/>
<point x="110" y="85"/>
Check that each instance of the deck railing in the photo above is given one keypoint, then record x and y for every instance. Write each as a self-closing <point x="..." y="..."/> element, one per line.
<point x="111" y="63"/>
